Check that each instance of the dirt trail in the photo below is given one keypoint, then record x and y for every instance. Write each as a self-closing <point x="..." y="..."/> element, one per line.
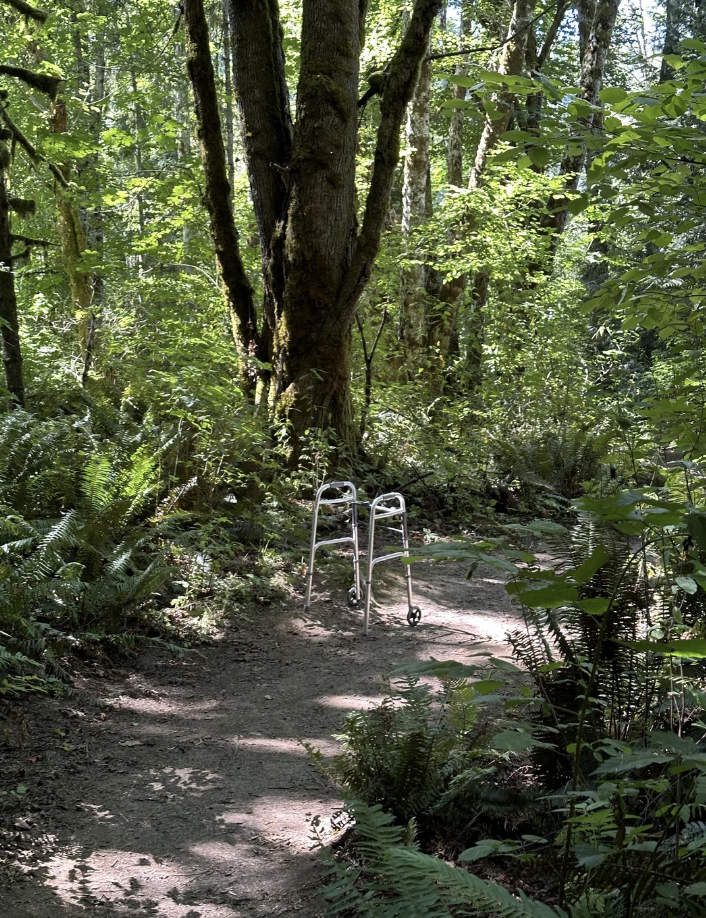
<point x="192" y="797"/>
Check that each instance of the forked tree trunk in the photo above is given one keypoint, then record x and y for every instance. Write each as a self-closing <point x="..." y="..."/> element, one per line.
<point x="217" y="199"/>
<point x="316" y="263"/>
<point x="9" y="323"/>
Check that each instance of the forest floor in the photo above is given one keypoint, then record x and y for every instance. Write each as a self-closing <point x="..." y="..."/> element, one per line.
<point x="180" y="789"/>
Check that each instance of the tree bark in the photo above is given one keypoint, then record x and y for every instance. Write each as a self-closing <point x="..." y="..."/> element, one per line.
<point x="316" y="265"/>
<point x="415" y="212"/>
<point x="266" y="130"/>
<point x="592" y="70"/>
<point x="72" y="233"/>
<point x="512" y="61"/>
<point x="228" y="70"/>
<point x="9" y="323"/>
<point x="217" y="199"/>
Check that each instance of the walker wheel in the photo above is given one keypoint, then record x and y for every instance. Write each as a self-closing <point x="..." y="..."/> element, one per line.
<point x="414" y="616"/>
<point x="353" y="597"/>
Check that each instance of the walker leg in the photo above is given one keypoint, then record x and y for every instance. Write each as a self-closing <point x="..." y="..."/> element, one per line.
<point x="356" y="552"/>
<point x="312" y="552"/>
<point x="414" y="613"/>
<point x="369" y="575"/>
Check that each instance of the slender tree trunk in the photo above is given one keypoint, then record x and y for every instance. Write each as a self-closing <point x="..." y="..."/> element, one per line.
<point x="512" y="62"/>
<point x="415" y="212"/>
<point x="139" y="123"/>
<point x="236" y="287"/>
<point x="592" y="70"/>
<point x="72" y="234"/>
<point x="442" y="315"/>
<point x="228" y="69"/>
<point x="95" y="228"/>
<point x="9" y="323"/>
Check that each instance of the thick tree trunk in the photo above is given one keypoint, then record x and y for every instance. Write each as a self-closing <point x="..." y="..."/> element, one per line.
<point x="316" y="265"/>
<point x="415" y="212"/>
<point x="9" y="323"/>
<point x="236" y="287"/>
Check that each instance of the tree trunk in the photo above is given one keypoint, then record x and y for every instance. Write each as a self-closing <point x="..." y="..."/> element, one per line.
<point x="442" y="316"/>
<point x="217" y="199"/>
<point x="316" y="264"/>
<point x="9" y="323"/>
<point x="95" y="228"/>
<point x="592" y="70"/>
<point x="415" y="212"/>
<point x="266" y="130"/>
<point x="512" y="61"/>
<point x="228" y="70"/>
<point x="72" y="234"/>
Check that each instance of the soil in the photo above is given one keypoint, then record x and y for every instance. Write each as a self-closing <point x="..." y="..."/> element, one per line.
<point x="181" y="788"/>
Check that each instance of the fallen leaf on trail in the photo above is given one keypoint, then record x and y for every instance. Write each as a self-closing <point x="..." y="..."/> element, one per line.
<point x="268" y="697"/>
<point x="131" y="742"/>
<point x="103" y="717"/>
<point x="23" y="824"/>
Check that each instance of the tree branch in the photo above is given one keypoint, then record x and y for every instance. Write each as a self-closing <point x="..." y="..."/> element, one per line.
<point x="42" y="82"/>
<point x="27" y="10"/>
<point x="480" y="50"/>
<point x="31" y="151"/>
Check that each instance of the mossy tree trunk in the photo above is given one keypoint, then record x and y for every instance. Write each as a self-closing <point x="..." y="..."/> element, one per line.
<point x="512" y="62"/>
<point x="316" y="262"/>
<point x="9" y="323"/>
<point x="217" y="192"/>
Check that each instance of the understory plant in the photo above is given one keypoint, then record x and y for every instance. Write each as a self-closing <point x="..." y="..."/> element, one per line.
<point x="610" y="736"/>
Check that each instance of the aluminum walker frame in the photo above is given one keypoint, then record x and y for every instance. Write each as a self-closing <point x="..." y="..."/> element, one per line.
<point x="349" y="498"/>
<point x="386" y="506"/>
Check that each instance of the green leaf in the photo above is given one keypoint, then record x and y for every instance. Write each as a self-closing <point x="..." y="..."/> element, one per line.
<point x="539" y="156"/>
<point x="687" y="584"/>
<point x="612" y="95"/>
<point x="556" y="594"/>
<point x="595" y="606"/>
<point x="588" y="568"/>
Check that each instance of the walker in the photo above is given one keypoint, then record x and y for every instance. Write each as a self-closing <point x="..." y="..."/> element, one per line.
<point x="384" y="507"/>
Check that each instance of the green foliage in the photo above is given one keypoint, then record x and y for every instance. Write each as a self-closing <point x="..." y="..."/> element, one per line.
<point x="403" y="753"/>
<point x="396" y="879"/>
